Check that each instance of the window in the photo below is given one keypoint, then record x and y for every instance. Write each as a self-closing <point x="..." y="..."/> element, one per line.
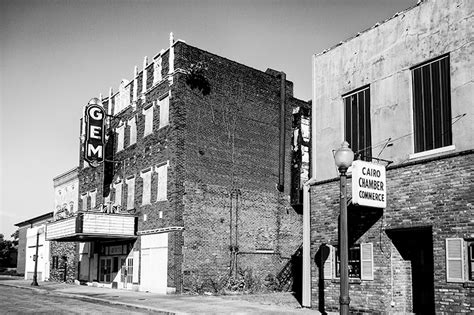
<point x="118" y="193"/>
<point x="84" y="200"/>
<point x="459" y="260"/>
<point x="93" y="195"/>
<point x="354" y="262"/>
<point x="148" y="112"/>
<point x="162" y="192"/>
<point x="120" y="130"/>
<point x="157" y="67"/>
<point x="432" y="105"/>
<point x="361" y="262"/>
<point x="164" y="111"/>
<point x="132" y="123"/>
<point x="122" y="99"/>
<point x="146" y="176"/>
<point x="130" y="192"/>
<point x="470" y="260"/>
<point x="55" y="264"/>
<point x="357" y="122"/>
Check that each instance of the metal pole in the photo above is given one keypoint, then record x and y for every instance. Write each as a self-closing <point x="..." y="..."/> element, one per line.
<point x="306" y="298"/>
<point x="343" y="247"/>
<point x="35" y="274"/>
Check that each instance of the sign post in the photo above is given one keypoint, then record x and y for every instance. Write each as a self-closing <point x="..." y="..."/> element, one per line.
<point x="369" y="185"/>
<point x="94" y="117"/>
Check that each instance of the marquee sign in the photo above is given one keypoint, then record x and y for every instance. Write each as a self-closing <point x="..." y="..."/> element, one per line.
<point x="369" y="184"/>
<point x="95" y="134"/>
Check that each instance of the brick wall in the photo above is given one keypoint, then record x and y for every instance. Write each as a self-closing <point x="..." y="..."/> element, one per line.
<point x="435" y="195"/>
<point x="231" y="166"/>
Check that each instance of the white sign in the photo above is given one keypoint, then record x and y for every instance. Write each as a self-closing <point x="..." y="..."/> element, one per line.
<point x="369" y="184"/>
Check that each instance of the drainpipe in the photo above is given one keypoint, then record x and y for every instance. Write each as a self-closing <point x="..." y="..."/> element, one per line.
<point x="281" y="174"/>
<point x="306" y="300"/>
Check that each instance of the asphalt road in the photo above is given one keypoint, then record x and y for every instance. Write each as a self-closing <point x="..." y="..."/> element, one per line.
<point x="24" y="301"/>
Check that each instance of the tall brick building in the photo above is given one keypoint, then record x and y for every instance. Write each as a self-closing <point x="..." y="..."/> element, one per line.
<point x="196" y="181"/>
<point x="401" y="94"/>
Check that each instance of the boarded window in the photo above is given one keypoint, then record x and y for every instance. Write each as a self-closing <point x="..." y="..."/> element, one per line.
<point x="328" y="263"/>
<point x="357" y="125"/>
<point x="164" y="105"/>
<point x="162" y="193"/>
<point x="84" y="200"/>
<point x="93" y="195"/>
<point x="132" y="123"/>
<point x="130" y="192"/>
<point x="146" y="195"/>
<point x="120" y="137"/>
<point x="118" y="193"/>
<point x="157" y="67"/>
<point x="366" y="261"/>
<point x="432" y="105"/>
<point x="454" y="260"/>
<point x="148" y="112"/>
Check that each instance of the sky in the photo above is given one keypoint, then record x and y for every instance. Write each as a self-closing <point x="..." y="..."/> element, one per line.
<point x="56" y="55"/>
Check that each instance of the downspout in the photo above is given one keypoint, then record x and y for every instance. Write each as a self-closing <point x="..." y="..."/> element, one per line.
<point x="306" y="283"/>
<point x="281" y="174"/>
<point x="306" y="299"/>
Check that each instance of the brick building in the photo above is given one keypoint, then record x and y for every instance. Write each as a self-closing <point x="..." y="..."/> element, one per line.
<point x="196" y="181"/>
<point x="401" y="92"/>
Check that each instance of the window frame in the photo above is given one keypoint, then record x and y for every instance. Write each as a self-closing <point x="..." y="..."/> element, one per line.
<point x="365" y="148"/>
<point x="439" y="102"/>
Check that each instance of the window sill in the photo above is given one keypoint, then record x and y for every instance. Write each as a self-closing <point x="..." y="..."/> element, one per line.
<point x="351" y="280"/>
<point x="448" y="148"/>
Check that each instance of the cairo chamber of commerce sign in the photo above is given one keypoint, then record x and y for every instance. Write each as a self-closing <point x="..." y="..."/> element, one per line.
<point x="94" y="116"/>
<point x="369" y="184"/>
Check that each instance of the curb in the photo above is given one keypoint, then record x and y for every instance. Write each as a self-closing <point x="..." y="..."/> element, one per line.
<point x="94" y="299"/>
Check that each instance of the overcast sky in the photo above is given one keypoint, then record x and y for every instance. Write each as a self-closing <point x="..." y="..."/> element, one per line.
<point x="56" y="55"/>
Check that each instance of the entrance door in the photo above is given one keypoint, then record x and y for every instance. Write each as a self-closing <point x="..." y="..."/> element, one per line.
<point x="416" y="246"/>
<point x="154" y="263"/>
<point x="126" y="273"/>
<point x="105" y="270"/>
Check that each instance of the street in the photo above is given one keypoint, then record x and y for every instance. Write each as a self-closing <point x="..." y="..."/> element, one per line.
<point x="23" y="301"/>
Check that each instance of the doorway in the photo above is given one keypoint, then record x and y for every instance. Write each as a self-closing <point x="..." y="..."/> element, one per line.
<point x="416" y="246"/>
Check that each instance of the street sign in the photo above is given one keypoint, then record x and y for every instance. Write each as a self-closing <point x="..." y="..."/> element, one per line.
<point x="95" y="134"/>
<point x="369" y="184"/>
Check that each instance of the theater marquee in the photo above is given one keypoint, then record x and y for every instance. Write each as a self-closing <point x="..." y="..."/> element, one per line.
<point x="95" y="134"/>
<point x="369" y="184"/>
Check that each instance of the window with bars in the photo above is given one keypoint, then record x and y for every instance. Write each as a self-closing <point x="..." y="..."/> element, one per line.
<point x="432" y="104"/>
<point x="354" y="262"/>
<point x="357" y="128"/>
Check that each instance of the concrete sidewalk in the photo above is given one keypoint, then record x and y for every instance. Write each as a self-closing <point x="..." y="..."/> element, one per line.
<point x="274" y="303"/>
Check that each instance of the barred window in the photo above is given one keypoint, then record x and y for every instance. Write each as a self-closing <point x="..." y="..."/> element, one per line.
<point x="354" y="262"/>
<point x="432" y="104"/>
<point x="357" y="122"/>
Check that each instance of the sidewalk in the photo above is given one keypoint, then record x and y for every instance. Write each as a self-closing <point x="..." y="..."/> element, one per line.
<point x="275" y="303"/>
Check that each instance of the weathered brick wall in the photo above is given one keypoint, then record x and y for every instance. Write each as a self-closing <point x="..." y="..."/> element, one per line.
<point x="231" y="170"/>
<point x="435" y="193"/>
<point x="206" y="146"/>
<point x="70" y="251"/>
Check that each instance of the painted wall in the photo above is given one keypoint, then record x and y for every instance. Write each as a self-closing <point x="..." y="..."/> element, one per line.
<point x="382" y="57"/>
<point x="43" y="253"/>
